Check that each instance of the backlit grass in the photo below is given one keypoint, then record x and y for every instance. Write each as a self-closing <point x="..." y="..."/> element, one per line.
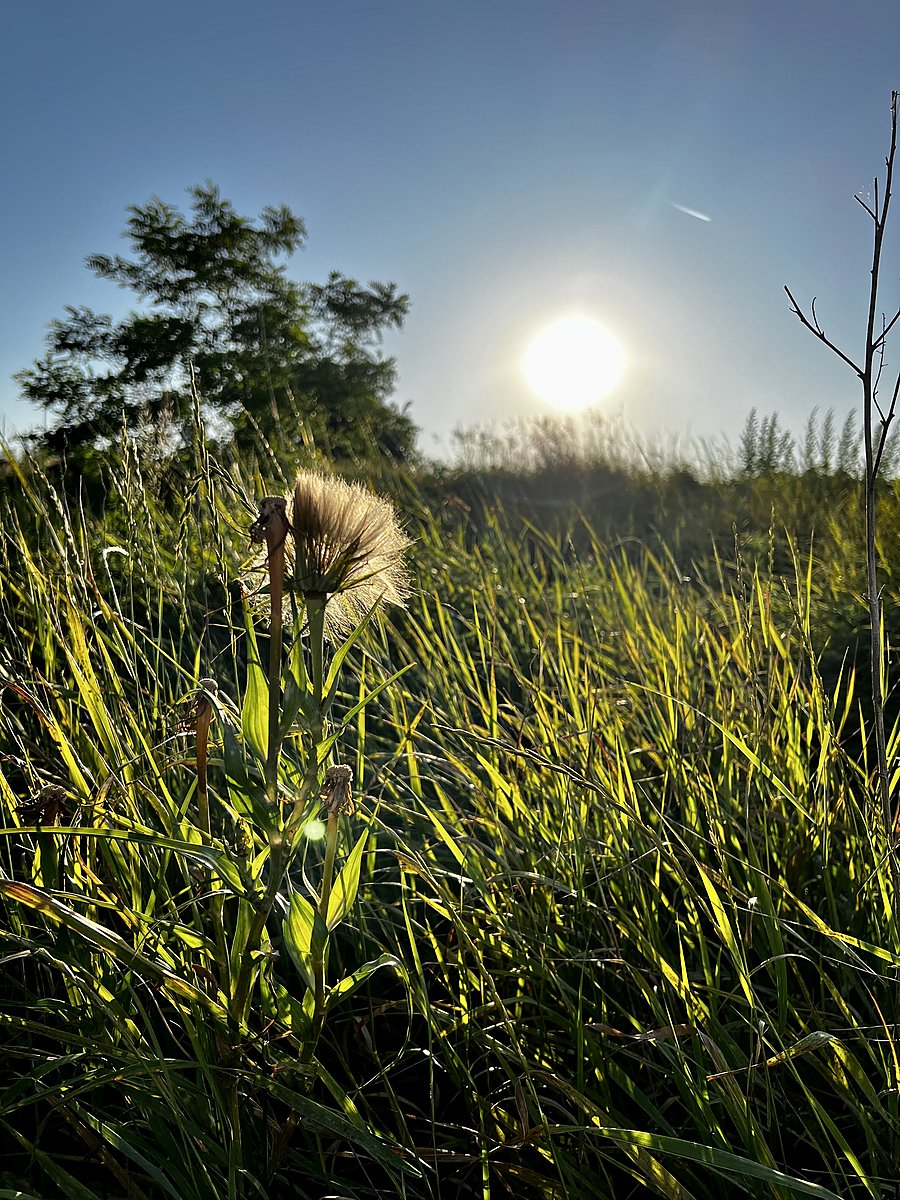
<point x="622" y="876"/>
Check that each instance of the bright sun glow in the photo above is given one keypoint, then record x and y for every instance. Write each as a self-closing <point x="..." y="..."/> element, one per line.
<point x="574" y="362"/>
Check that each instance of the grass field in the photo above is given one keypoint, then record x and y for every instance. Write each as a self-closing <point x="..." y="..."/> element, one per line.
<point x="609" y="915"/>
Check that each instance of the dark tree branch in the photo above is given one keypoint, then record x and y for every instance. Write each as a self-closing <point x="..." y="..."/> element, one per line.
<point x="863" y="204"/>
<point x="814" y="328"/>
<point x="887" y="328"/>
<point x="886" y="424"/>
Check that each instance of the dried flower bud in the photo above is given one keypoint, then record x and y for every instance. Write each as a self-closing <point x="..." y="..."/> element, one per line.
<point x="45" y="808"/>
<point x="272" y="516"/>
<point x="197" y="707"/>
<point x="243" y="841"/>
<point x="337" y="792"/>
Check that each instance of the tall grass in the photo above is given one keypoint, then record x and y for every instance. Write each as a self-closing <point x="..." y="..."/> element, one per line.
<point x="622" y="872"/>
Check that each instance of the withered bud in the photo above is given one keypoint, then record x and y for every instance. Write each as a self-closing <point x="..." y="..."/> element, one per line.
<point x="45" y="808"/>
<point x="337" y="791"/>
<point x="243" y="840"/>
<point x="272" y="519"/>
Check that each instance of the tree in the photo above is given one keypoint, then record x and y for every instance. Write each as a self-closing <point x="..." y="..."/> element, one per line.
<point x="269" y="354"/>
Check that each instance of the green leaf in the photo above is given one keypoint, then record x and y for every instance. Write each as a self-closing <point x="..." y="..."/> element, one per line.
<point x="298" y="697"/>
<point x="720" y="1160"/>
<point x="214" y="859"/>
<point x="305" y="935"/>
<point x="349" y="984"/>
<point x="255" y="709"/>
<point x="106" y="940"/>
<point x="387" y="1153"/>
<point x="114" y="1138"/>
<point x="285" y="1008"/>
<point x="343" y="894"/>
<point x="245" y="788"/>
<point x="242" y="923"/>
<point x="334" y="670"/>
<point x="348" y="717"/>
<point x="68" y="1184"/>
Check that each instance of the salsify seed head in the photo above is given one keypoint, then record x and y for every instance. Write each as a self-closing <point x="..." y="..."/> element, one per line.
<point x="344" y="548"/>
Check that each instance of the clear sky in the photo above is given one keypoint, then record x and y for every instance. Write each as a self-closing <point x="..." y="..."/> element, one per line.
<point x="504" y="162"/>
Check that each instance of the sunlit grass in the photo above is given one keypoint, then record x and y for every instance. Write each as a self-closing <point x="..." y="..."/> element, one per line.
<point x="624" y="876"/>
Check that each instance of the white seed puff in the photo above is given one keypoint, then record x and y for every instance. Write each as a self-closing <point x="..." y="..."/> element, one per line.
<point x="343" y="545"/>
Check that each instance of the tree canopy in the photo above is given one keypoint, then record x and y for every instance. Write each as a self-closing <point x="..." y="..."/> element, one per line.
<point x="268" y="354"/>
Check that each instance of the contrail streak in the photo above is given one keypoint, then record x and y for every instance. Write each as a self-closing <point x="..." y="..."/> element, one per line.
<point x="691" y="212"/>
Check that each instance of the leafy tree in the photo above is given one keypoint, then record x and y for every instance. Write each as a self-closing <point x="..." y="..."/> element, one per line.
<point x="269" y="354"/>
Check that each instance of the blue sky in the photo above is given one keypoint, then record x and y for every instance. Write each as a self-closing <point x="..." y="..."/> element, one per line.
<point x="505" y="162"/>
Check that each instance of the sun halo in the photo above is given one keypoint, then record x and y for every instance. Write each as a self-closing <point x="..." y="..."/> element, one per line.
<point x="573" y="362"/>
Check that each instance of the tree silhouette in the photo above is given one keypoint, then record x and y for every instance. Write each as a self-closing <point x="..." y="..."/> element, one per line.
<point x="268" y="354"/>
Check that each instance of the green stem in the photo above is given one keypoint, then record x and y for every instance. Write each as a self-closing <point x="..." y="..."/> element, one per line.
<point x="249" y="962"/>
<point x="315" y="607"/>
<point x="318" y="963"/>
<point x="315" y="615"/>
<point x="204" y="719"/>
<point x="328" y="869"/>
<point x="276" y="530"/>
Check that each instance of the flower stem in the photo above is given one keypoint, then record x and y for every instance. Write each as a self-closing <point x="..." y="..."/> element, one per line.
<point x="275" y="531"/>
<point x="204" y="720"/>
<point x="315" y="607"/>
<point x="331" y="838"/>
<point x="318" y="963"/>
<point x="315" y="616"/>
<point x="270" y="527"/>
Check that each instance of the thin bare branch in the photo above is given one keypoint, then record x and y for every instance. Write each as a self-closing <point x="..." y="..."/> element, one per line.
<point x="815" y="317"/>
<point x="863" y="204"/>
<point x="894" y="397"/>
<point x="816" y="329"/>
<point x="877" y="380"/>
<point x="887" y="329"/>
<point x="886" y="425"/>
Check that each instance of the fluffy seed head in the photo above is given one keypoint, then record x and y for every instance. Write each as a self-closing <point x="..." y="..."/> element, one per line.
<point x="344" y="548"/>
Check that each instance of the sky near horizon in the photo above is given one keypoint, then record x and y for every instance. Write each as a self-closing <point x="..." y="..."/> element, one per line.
<point x="506" y="163"/>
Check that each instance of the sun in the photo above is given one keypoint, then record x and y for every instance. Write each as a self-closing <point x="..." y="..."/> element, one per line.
<point x="574" y="362"/>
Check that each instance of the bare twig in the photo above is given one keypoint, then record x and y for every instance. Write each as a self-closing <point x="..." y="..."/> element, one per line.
<point x="814" y="327"/>
<point x="886" y="424"/>
<point x="887" y="328"/>
<point x="866" y="207"/>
